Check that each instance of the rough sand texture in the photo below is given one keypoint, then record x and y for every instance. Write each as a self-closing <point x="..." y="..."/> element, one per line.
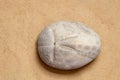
<point x="22" y="20"/>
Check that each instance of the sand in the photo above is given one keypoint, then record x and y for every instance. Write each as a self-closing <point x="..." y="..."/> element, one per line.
<point x="21" y="21"/>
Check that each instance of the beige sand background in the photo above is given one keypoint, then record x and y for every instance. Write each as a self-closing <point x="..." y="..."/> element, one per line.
<point x="21" y="21"/>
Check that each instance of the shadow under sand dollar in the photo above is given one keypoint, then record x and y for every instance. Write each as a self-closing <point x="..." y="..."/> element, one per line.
<point x="58" y="71"/>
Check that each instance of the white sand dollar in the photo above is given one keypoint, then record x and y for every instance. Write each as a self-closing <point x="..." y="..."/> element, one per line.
<point x="68" y="45"/>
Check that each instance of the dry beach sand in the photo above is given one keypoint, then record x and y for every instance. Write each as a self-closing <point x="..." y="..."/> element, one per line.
<point x="21" y="21"/>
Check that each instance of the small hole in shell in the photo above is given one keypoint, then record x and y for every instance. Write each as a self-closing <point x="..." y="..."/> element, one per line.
<point x="87" y="47"/>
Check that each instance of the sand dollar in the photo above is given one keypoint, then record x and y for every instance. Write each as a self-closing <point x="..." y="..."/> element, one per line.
<point x="68" y="45"/>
